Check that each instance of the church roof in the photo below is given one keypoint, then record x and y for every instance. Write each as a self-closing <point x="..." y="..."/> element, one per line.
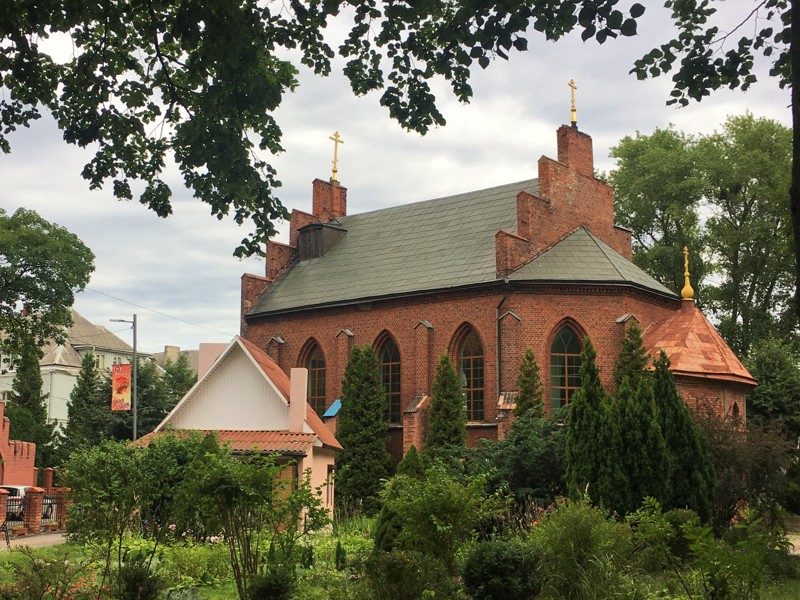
<point x="437" y="245"/>
<point x="694" y="347"/>
<point x="582" y="257"/>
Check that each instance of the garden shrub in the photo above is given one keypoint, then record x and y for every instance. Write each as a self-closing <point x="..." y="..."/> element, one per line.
<point x="505" y="568"/>
<point x="439" y="513"/>
<point x="408" y="575"/>
<point x="136" y="580"/>
<point x="585" y="551"/>
<point x="50" y="573"/>
<point x="196" y="564"/>
<point x="274" y="583"/>
<point x="735" y="567"/>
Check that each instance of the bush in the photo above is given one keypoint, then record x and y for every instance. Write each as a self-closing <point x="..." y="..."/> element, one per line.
<point x="504" y="568"/>
<point x="407" y="575"/>
<point x="586" y="551"/>
<point x="136" y="581"/>
<point x="196" y="564"/>
<point x="275" y="583"/>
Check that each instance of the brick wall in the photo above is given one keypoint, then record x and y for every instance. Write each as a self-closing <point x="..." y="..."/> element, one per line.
<point x="17" y="456"/>
<point x="426" y="327"/>
<point x="329" y="200"/>
<point x="569" y="197"/>
<point x="722" y="398"/>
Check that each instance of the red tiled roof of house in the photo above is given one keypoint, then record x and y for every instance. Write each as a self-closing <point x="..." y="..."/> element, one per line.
<point x="283" y="442"/>
<point x="694" y="347"/>
<point x="281" y="381"/>
<point x="269" y="366"/>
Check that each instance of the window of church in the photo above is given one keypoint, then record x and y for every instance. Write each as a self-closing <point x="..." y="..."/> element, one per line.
<point x="316" y="380"/>
<point x="470" y="368"/>
<point x="565" y="364"/>
<point x="390" y="378"/>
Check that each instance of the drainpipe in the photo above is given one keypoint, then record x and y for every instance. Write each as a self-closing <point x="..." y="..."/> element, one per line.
<point x="499" y="355"/>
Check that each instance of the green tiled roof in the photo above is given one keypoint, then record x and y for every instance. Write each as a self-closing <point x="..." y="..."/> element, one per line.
<point x="583" y="258"/>
<point x="434" y="245"/>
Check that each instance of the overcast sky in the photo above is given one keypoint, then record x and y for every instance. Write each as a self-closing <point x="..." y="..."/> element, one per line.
<point x="179" y="275"/>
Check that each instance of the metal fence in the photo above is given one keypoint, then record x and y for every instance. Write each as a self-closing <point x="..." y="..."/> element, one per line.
<point x="49" y="505"/>
<point x="14" y="509"/>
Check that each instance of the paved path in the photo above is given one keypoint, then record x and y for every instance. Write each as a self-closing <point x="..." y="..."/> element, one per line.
<point x="44" y="539"/>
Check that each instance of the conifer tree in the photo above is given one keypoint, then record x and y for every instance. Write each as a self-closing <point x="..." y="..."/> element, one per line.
<point x="361" y="430"/>
<point x="632" y="359"/>
<point x="82" y="422"/>
<point x="447" y="424"/>
<point x="529" y="384"/>
<point x="27" y="409"/>
<point x="388" y="524"/>
<point x="690" y="480"/>
<point x="586" y="436"/>
<point x="638" y="457"/>
<point x="613" y="485"/>
<point x="179" y="378"/>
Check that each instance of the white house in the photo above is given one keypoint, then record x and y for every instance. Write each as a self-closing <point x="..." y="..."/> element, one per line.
<point x="252" y="405"/>
<point x="61" y="364"/>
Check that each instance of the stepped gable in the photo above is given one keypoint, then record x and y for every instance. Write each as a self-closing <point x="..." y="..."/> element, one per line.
<point x="695" y="348"/>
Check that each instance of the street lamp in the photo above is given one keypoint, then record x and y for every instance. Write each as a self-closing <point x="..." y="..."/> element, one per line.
<point x="135" y="364"/>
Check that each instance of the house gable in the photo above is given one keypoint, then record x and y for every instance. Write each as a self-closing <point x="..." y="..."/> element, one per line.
<point x="252" y="401"/>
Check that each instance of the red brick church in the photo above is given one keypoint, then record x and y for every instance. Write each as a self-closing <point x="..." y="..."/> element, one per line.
<point x="481" y="276"/>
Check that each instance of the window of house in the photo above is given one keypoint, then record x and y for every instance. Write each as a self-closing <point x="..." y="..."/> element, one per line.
<point x="565" y="364"/>
<point x="389" y="357"/>
<point x="470" y="368"/>
<point x="315" y="363"/>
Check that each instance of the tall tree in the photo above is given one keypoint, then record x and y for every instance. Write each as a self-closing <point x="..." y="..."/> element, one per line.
<point x="215" y="73"/>
<point x="776" y="366"/>
<point x="586" y="435"/>
<point x="657" y="193"/>
<point x="179" y="377"/>
<point x="690" y="479"/>
<point x="361" y="430"/>
<point x="27" y="409"/>
<point x="42" y="265"/>
<point x="154" y="401"/>
<point x="641" y="455"/>
<point x="529" y="384"/>
<point x="632" y="359"/>
<point x="447" y="422"/>
<point x="83" y="425"/>
<point x="747" y="170"/>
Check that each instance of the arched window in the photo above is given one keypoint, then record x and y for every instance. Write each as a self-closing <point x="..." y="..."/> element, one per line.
<point x="470" y="369"/>
<point x="389" y="357"/>
<point x="565" y="364"/>
<point x="735" y="411"/>
<point x="315" y="363"/>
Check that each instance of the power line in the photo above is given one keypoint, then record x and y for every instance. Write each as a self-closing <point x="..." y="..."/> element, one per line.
<point x="157" y="312"/>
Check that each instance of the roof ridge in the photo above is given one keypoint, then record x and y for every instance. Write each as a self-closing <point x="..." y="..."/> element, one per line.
<point x="440" y="198"/>
<point x="546" y="248"/>
<point x="610" y="258"/>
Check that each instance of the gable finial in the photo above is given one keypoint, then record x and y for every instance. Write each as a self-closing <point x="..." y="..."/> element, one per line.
<point x="573" y="116"/>
<point x="336" y="141"/>
<point x="687" y="293"/>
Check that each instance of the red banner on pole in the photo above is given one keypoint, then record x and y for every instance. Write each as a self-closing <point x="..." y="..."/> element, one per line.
<point x="121" y="387"/>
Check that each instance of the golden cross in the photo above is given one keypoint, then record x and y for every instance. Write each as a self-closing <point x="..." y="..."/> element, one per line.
<point x="573" y="113"/>
<point x="336" y="141"/>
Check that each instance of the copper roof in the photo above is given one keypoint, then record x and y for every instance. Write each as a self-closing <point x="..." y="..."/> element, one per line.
<point x="694" y="347"/>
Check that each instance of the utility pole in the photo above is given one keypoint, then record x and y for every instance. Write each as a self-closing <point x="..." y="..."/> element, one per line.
<point x="134" y="374"/>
